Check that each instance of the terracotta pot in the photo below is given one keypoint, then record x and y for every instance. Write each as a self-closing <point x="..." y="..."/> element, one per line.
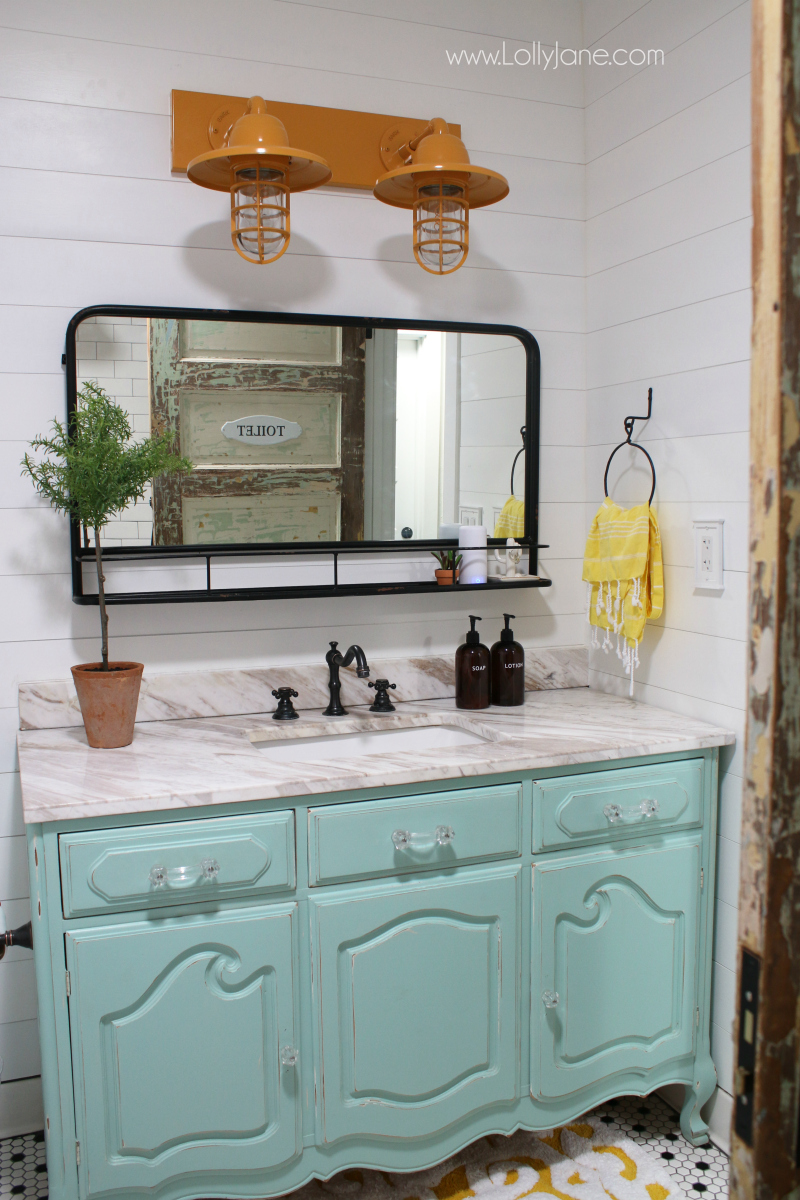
<point x="445" y="578"/>
<point x="108" y="701"/>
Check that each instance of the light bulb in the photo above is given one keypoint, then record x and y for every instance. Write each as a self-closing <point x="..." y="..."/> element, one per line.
<point x="259" y="213"/>
<point x="441" y="226"/>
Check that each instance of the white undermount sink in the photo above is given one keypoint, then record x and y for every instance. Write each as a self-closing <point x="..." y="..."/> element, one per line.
<point x="377" y="741"/>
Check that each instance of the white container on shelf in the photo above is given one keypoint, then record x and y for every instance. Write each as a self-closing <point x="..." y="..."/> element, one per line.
<point x="474" y="559"/>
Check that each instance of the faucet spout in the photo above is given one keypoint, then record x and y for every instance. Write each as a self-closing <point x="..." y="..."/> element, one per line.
<point x="362" y="667"/>
<point x="335" y="659"/>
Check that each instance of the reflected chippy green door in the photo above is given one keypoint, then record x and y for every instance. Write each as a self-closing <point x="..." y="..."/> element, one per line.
<point x="614" y="963"/>
<point x="418" y="999"/>
<point x="176" y="1035"/>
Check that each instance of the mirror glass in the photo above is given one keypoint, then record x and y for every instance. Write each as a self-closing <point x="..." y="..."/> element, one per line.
<point x="311" y="433"/>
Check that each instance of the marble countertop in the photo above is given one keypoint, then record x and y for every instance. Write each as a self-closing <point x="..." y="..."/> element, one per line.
<point x="217" y="760"/>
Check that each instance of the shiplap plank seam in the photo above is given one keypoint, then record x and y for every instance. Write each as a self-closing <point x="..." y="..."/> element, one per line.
<point x="644" y="132"/>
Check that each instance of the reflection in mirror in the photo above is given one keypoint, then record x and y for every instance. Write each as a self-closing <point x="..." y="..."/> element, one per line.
<point x="315" y="433"/>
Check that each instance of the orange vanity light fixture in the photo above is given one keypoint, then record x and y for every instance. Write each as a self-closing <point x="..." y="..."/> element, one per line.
<point x="437" y="181"/>
<point x="424" y="167"/>
<point x="256" y="164"/>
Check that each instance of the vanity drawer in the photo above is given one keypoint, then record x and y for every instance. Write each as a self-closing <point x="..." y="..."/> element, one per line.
<point x="413" y="833"/>
<point x="607" y="805"/>
<point x="180" y="863"/>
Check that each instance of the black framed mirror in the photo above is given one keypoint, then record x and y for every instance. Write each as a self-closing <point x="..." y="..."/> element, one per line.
<point x="331" y="454"/>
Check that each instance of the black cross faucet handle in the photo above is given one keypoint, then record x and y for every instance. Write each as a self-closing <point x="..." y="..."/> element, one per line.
<point x="382" y="703"/>
<point x="285" y="710"/>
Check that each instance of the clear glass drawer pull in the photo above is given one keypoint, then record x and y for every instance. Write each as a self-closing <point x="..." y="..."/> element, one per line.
<point x="289" y="1056"/>
<point x="550" y="999"/>
<point x="205" y="872"/>
<point x="615" y="812"/>
<point x="441" y="836"/>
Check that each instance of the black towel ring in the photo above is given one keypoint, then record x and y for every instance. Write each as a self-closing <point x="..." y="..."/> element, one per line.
<point x="628" y="423"/>
<point x="524" y="433"/>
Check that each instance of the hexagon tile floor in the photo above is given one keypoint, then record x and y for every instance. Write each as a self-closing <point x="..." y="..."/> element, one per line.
<point x="650" y="1122"/>
<point x="22" y="1167"/>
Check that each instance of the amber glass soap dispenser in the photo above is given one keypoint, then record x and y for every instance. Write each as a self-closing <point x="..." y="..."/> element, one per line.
<point x="508" y="668"/>
<point x="472" y="671"/>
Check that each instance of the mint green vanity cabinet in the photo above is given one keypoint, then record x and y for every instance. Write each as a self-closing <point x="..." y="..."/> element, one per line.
<point x="373" y="978"/>
<point x="604" y="806"/>
<point x="613" y="969"/>
<point x="402" y="1053"/>
<point x="401" y="836"/>
<point x="178" y="1032"/>
<point x="169" y="864"/>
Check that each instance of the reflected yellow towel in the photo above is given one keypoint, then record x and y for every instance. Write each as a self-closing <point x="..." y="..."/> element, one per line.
<point x="511" y="522"/>
<point x="623" y="568"/>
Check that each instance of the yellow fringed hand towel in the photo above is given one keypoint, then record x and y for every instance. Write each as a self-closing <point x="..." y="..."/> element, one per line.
<point x="511" y="521"/>
<point x="623" y="568"/>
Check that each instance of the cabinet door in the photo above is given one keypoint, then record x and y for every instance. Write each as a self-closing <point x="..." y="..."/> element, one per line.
<point x="177" y="1033"/>
<point x="613" y="964"/>
<point x="417" y="991"/>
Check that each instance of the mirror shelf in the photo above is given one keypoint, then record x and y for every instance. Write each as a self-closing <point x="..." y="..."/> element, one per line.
<point x="331" y="454"/>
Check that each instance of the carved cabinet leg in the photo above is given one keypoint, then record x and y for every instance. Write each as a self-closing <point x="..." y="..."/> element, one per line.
<point x="693" y="1127"/>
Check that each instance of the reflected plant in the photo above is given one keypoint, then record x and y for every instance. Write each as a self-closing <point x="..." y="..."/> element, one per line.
<point x="92" y="469"/>
<point x="448" y="559"/>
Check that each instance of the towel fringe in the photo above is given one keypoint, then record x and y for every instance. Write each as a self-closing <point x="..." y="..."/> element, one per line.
<point x="623" y="547"/>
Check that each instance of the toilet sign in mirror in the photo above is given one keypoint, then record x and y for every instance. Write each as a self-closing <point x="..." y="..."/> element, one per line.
<point x="261" y="430"/>
<point x="312" y="431"/>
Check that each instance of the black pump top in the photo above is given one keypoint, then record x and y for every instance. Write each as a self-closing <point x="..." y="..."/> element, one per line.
<point x="473" y="637"/>
<point x="507" y="634"/>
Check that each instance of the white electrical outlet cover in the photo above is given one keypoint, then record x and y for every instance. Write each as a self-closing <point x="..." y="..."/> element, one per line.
<point x="708" y="564"/>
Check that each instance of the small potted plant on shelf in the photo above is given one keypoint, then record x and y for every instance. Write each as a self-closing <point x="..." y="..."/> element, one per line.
<point x="92" y="469"/>
<point x="448" y="560"/>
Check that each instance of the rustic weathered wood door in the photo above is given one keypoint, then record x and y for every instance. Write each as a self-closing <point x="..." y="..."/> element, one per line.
<point x="272" y="416"/>
<point x="765" y="1139"/>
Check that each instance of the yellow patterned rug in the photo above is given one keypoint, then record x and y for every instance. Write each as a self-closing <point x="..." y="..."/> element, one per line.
<point x="583" y="1161"/>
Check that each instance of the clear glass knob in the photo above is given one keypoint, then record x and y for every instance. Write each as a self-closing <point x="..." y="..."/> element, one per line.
<point x="550" y="999"/>
<point x="209" y="869"/>
<point x="158" y="876"/>
<point x="441" y="836"/>
<point x="615" y="812"/>
<point x="289" y="1056"/>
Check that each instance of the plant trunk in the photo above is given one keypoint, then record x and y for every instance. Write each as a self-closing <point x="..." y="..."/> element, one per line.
<point x="98" y="554"/>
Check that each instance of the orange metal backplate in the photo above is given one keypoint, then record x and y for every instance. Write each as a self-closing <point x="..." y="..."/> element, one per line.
<point x="350" y="141"/>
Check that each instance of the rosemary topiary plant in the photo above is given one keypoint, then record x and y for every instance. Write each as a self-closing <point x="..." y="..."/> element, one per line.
<point x="92" y="469"/>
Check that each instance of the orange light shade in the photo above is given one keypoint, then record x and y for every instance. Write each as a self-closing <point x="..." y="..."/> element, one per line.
<point x="260" y="169"/>
<point x="441" y="185"/>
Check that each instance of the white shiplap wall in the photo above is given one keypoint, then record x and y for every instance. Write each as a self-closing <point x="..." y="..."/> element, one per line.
<point x="91" y="215"/>
<point x="492" y="413"/>
<point x="668" y="305"/>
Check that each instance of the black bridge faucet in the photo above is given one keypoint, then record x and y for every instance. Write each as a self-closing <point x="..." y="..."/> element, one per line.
<point x="335" y="660"/>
